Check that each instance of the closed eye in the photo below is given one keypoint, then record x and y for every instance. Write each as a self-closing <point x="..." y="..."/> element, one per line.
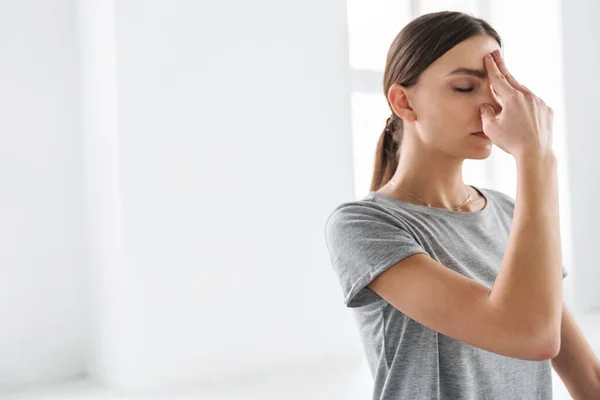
<point x="463" y="90"/>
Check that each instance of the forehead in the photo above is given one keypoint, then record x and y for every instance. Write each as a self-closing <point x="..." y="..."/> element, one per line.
<point x="467" y="54"/>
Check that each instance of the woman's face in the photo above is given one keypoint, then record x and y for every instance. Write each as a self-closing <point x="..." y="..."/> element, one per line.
<point x="446" y="99"/>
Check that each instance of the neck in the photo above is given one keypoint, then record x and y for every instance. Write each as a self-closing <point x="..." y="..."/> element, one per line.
<point x="430" y="176"/>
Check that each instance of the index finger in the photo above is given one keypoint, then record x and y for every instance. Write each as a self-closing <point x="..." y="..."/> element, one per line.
<point x="504" y="71"/>
<point x="498" y="80"/>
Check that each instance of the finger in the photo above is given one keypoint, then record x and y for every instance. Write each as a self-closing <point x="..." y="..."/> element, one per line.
<point x="488" y="114"/>
<point x="497" y="79"/>
<point x="527" y="90"/>
<point x="502" y="67"/>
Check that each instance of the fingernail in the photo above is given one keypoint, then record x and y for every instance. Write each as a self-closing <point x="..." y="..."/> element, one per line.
<point x="489" y="57"/>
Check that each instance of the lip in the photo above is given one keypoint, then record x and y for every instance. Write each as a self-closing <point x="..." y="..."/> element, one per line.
<point x="481" y="135"/>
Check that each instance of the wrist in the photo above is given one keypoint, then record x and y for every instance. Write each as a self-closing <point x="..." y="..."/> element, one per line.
<point x="536" y="159"/>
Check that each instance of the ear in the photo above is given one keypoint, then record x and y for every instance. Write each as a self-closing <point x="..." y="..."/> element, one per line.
<point x="398" y="98"/>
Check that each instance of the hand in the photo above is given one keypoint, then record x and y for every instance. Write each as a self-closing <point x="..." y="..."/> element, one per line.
<point x="524" y="126"/>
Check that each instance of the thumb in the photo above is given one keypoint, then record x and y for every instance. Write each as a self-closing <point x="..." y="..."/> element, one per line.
<point x="488" y="114"/>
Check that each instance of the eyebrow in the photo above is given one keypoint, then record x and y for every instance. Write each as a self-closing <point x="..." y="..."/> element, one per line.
<point x="479" y="73"/>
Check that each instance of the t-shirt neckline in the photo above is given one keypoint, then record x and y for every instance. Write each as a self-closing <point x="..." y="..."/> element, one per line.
<point x="436" y="210"/>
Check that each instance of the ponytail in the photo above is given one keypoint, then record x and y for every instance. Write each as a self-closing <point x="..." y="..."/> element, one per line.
<point x="388" y="152"/>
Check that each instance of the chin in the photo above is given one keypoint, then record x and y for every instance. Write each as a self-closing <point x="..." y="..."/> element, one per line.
<point x="482" y="157"/>
<point x="474" y="152"/>
<point x="479" y="155"/>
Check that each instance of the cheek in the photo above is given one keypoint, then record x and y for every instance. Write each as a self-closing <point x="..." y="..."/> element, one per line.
<point x="449" y="122"/>
<point x="444" y="116"/>
<point x="450" y="102"/>
<point x="462" y="109"/>
<point x="450" y="110"/>
<point x="432" y="108"/>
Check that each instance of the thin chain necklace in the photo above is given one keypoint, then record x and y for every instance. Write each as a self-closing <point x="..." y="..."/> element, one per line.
<point x="429" y="205"/>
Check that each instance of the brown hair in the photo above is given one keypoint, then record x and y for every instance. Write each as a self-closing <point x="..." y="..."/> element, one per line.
<point x="416" y="47"/>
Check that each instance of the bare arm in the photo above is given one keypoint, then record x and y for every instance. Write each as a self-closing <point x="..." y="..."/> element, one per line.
<point x="576" y="363"/>
<point x="529" y="285"/>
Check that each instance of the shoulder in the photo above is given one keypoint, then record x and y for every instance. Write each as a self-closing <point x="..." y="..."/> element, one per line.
<point x="501" y="199"/>
<point x="357" y="210"/>
<point x="499" y="196"/>
<point x="364" y="216"/>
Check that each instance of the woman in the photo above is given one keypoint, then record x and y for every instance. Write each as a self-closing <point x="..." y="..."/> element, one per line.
<point x="457" y="289"/>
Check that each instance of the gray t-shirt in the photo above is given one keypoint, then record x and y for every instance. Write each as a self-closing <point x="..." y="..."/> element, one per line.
<point x="408" y="360"/>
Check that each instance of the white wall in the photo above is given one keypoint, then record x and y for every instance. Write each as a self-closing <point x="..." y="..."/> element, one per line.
<point x="41" y="293"/>
<point x="581" y="60"/>
<point x="231" y="145"/>
<point x="106" y="276"/>
<point x="169" y="227"/>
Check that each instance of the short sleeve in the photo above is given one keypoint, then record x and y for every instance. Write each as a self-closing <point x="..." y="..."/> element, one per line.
<point x="363" y="241"/>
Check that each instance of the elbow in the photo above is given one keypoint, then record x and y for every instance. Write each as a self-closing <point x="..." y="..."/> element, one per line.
<point x="546" y="346"/>
<point x="548" y="352"/>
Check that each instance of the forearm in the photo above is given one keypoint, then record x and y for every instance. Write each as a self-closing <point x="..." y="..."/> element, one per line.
<point x="597" y="385"/>
<point x="529" y="284"/>
<point x="585" y="389"/>
<point x="576" y="363"/>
